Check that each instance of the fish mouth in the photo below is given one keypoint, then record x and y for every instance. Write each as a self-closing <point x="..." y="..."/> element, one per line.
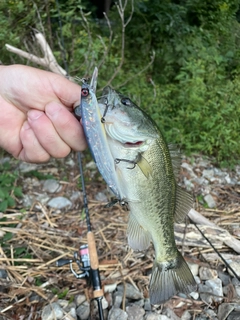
<point x="133" y="144"/>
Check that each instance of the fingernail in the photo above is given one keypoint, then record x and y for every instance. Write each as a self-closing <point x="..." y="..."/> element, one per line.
<point x="34" y="114"/>
<point x="52" y="109"/>
<point x="26" y="125"/>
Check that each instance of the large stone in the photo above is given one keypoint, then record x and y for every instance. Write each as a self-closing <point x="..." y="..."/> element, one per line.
<point x="130" y="291"/>
<point x="52" y="311"/>
<point x="51" y="185"/>
<point x="117" y="314"/>
<point x="216" y="287"/>
<point x="83" y="311"/>
<point x="224" y="310"/>
<point x="59" y="203"/>
<point x="207" y="273"/>
<point x="135" y="312"/>
<point x="210" y="201"/>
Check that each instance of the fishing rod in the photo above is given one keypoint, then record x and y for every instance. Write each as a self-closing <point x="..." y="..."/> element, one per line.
<point x="94" y="263"/>
<point x="86" y="258"/>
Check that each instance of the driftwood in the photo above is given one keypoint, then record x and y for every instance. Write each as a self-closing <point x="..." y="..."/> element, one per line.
<point x="213" y="231"/>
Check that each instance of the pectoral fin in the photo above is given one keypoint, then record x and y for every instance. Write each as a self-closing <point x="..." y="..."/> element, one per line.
<point x="144" y="166"/>
<point x="138" y="237"/>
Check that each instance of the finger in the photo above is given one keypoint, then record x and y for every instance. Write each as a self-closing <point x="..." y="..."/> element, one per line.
<point x="32" y="151"/>
<point x="67" y="126"/>
<point x="46" y="134"/>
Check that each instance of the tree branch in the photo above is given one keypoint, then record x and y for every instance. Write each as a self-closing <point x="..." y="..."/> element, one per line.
<point x="48" y="60"/>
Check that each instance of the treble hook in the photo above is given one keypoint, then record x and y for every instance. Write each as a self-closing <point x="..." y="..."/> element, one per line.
<point x="117" y="160"/>
<point x="105" y="111"/>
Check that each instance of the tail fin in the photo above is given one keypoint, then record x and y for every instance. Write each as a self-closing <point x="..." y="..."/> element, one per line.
<point x="168" y="278"/>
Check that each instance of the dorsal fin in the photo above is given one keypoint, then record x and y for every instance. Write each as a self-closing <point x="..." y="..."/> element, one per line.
<point x="184" y="202"/>
<point x="175" y="155"/>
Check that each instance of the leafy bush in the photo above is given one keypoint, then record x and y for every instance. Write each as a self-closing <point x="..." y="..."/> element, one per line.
<point x="8" y="188"/>
<point x="191" y="89"/>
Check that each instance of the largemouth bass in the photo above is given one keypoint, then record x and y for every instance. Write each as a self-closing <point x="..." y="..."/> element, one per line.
<point x="95" y="134"/>
<point x="146" y="179"/>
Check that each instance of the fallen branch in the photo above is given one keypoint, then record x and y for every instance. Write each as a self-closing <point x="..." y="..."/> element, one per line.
<point x="48" y="60"/>
<point x="227" y="238"/>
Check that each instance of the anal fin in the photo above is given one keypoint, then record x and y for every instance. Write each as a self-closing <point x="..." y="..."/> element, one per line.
<point x="184" y="203"/>
<point x="138" y="237"/>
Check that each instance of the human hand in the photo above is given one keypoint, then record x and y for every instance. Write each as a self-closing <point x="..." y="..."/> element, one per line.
<point x="36" y="119"/>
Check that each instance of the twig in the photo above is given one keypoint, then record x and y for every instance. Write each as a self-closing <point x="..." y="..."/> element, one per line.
<point x="121" y="10"/>
<point x="106" y="49"/>
<point x="140" y="72"/>
<point x="48" y="61"/>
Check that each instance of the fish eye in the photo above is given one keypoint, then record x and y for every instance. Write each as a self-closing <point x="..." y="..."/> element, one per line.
<point x="85" y="92"/>
<point x="126" y="102"/>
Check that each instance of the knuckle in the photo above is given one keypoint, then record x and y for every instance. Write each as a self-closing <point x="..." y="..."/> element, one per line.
<point x="61" y="152"/>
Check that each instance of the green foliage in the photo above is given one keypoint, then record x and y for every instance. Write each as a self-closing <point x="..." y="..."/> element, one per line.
<point x="61" y="294"/>
<point x="39" y="175"/>
<point x="196" y="72"/>
<point x="8" y="188"/>
<point x="192" y="88"/>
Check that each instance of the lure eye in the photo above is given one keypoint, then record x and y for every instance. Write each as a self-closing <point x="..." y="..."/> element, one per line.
<point x="126" y="102"/>
<point x="85" y="92"/>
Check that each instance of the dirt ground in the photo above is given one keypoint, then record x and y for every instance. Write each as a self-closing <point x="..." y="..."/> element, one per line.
<point x="34" y="238"/>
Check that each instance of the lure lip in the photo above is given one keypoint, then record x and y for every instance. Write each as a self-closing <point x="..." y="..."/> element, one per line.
<point x="93" y="82"/>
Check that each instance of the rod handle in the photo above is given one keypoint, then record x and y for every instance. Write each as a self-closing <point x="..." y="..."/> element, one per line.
<point x="92" y="250"/>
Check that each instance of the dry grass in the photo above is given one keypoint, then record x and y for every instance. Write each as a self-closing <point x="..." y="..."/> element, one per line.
<point x="41" y="236"/>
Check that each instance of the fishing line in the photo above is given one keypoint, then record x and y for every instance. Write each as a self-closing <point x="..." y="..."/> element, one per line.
<point x="105" y="111"/>
<point x="217" y="252"/>
<point x="85" y="201"/>
<point x="91" y="247"/>
<point x="96" y="281"/>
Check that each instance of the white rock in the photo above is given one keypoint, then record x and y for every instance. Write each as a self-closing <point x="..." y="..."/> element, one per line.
<point x="207" y="273"/>
<point x="110" y="287"/>
<point x="194" y="268"/>
<point x="26" y="167"/>
<point x="188" y="167"/>
<point x="52" y="312"/>
<point x="83" y="311"/>
<point x="79" y="299"/>
<point x="117" y="314"/>
<point x="236" y="267"/>
<point x="210" y="201"/>
<point x="186" y="315"/>
<point x="91" y="165"/>
<point x="51" y="185"/>
<point x="154" y="316"/>
<point x="208" y="173"/>
<point x="217" y="291"/>
<point x="197" y="279"/>
<point x="135" y="312"/>
<point x="59" y="203"/>
<point x="194" y="295"/>
<point x="130" y="291"/>
<point x="104" y="303"/>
